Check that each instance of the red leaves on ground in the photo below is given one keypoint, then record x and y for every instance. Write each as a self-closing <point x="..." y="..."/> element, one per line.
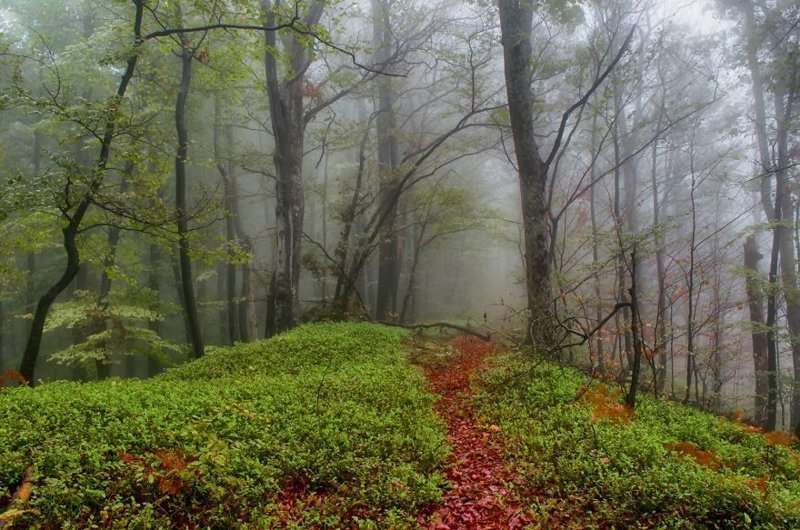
<point x="780" y="438"/>
<point x="704" y="458"/>
<point x="759" y="483"/>
<point x="482" y="496"/>
<point x="605" y="402"/>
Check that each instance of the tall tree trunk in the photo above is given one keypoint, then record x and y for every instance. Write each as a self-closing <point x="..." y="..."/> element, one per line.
<point x="288" y="127"/>
<point x="250" y="323"/>
<point x="784" y="103"/>
<point x="770" y="417"/>
<point x="187" y="281"/>
<point x="624" y="321"/>
<point x="598" y="292"/>
<point x="755" y="302"/>
<point x="412" y="273"/>
<point x="630" y="219"/>
<point x="717" y="314"/>
<point x="389" y="257"/>
<point x="691" y="364"/>
<point x="154" y="284"/>
<point x="103" y="366"/>
<point x="659" y="238"/>
<point x="231" y="205"/>
<point x="516" y="21"/>
<point x="636" y="328"/>
<point x="347" y="274"/>
<point x="784" y="90"/>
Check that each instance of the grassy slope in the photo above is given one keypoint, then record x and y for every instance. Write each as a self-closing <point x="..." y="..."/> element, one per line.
<point x="666" y="467"/>
<point x="334" y="407"/>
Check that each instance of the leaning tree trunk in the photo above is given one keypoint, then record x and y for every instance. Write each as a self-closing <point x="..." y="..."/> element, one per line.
<point x="185" y="261"/>
<point x="75" y="217"/>
<point x="516" y="22"/>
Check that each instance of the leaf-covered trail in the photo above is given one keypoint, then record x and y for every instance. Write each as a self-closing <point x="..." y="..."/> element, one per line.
<point x="484" y="493"/>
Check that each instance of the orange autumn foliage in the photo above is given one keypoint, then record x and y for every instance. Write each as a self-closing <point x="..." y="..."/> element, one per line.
<point x="703" y="458"/>
<point x="12" y="375"/>
<point x="738" y="417"/>
<point x="605" y="403"/>
<point x="775" y="437"/>
<point x="779" y="438"/>
<point x="759" y="483"/>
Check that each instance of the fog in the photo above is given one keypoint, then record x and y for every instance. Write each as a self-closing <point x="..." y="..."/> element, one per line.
<point x="179" y="176"/>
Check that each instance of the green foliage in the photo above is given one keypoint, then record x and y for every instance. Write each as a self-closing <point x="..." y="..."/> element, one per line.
<point x="334" y="407"/>
<point x="109" y="329"/>
<point x="666" y="466"/>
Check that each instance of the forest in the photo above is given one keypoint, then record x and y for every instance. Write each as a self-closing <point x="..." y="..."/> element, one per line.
<point x="606" y="190"/>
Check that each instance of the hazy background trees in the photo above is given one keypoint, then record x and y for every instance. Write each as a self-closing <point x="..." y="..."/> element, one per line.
<point x="613" y="182"/>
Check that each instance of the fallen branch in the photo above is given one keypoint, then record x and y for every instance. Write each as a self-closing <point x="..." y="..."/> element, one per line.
<point x="19" y="499"/>
<point x="456" y="327"/>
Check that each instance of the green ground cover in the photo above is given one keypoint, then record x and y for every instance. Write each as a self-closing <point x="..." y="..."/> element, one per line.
<point x="592" y="462"/>
<point x="329" y="413"/>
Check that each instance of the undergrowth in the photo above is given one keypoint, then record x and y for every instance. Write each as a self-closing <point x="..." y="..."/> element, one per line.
<point x="328" y="422"/>
<point x="661" y="466"/>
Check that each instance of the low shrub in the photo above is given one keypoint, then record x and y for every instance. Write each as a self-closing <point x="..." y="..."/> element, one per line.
<point x="331" y="411"/>
<point x="661" y="466"/>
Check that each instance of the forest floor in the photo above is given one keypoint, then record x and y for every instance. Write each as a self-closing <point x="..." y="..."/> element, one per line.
<point x="329" y="426"/>
<point x="484" y="494"/>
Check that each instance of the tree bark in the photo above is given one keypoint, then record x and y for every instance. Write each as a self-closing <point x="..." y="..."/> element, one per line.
<point x="389" y="255"/>
<point x="154" y="284"/>
<point x="770" y="417"/>
<point x="630" y="400"/>
<point x="659" y="239"/>
<point x="288" y="127"/>
<point x="781" y="208"/>
<point x="598" y="294"/>
<point x="516" y="21"/>
<point x="185" y="261"/>
<point x="691" y="364"/>
<point x="231" y="205"/>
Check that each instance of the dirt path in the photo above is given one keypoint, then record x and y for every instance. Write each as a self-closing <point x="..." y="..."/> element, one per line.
<point x="482" y="494"/>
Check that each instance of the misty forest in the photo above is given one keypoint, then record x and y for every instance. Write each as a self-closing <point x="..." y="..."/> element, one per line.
<point x="399" y="264"/>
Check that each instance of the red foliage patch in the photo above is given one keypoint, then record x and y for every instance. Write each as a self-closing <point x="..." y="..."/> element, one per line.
<point x="605" y="402"/>
<point x="702" y="457"/>
<point x="759" y="484"/>
<point x="482" y="495"/>
<point x="780" y="438"/>
<point x="12" y="375"/>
